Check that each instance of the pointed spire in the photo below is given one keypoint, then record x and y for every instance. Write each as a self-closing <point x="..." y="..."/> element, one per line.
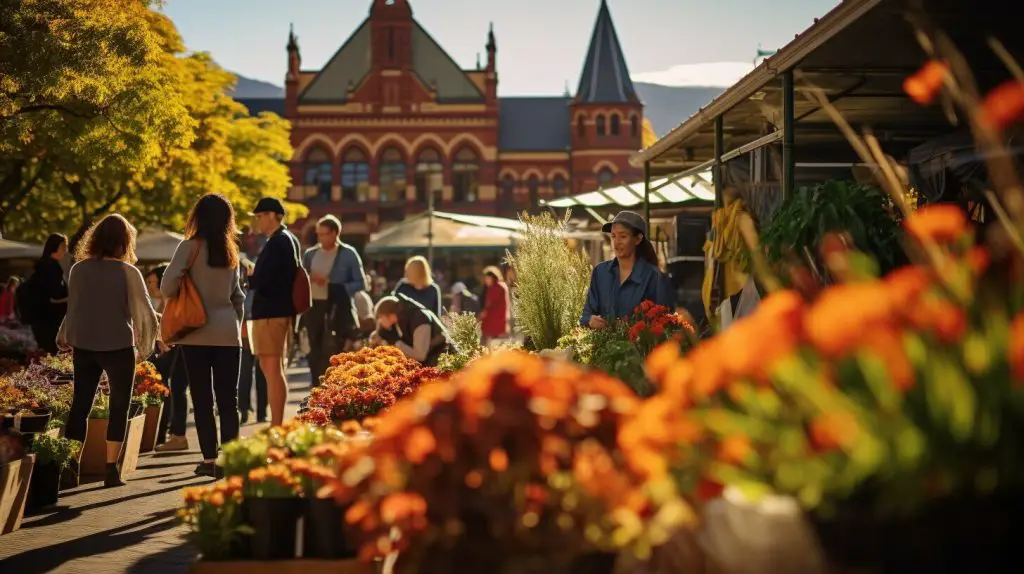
<point x="491" y="44"/>
<point x="478" y="61"/>
<point x="605" y="78"/>
<point x="293" y="40"/>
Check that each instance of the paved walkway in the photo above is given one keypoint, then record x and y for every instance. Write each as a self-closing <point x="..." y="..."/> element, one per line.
<point x="133" y="529"/>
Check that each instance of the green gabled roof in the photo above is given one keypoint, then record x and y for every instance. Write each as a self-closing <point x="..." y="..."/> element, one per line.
<point x="351" y="64"/>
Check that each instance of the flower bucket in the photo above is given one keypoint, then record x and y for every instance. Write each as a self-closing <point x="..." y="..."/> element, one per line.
<point x="26" y="423"/>
<point x="274" y="522"/>
<point x="45" y="489"/>
<point x="322" y="533"/>
<point x="15" y="478"/>
<point x="149" y="430"/>
<point x="963" y="534"/>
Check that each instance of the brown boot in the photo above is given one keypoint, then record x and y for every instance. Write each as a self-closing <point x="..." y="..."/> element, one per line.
<point x="174" y="443"/>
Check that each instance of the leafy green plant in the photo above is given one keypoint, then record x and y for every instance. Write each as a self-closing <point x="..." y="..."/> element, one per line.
<point x="609" y="350"/>
<point x="551" y="280"/>
<point x="464" y="329"/>
<point x="100" y="406"/>
<point x="59" y="451"/>
<point x="862" y="211"/>
<point x="240" y="456"/>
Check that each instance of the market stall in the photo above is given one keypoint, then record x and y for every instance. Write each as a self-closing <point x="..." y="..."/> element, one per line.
<point x="156" y="245"/>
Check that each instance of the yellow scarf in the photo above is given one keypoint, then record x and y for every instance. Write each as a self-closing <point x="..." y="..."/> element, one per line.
<point x="728" y="249"/>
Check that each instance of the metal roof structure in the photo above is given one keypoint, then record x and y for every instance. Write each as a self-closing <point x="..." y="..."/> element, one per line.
<point x="665" y="190"/>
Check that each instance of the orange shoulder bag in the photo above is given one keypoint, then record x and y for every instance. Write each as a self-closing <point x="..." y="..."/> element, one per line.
<point x="184" y="312"/>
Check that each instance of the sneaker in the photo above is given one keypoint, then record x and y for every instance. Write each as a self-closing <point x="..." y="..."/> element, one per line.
<point x="174" y="443"/>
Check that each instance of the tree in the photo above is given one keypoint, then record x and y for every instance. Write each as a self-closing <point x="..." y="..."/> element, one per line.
<point x="647" y="136"/>
<point x="169" y="134"/>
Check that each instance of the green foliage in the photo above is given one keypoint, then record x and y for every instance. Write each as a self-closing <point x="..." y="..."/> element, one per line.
<point x="240" y="456"/>
<point x="465" y="332"/>
<point x="551" y="280"/>
<point x="609" y="350"/>
<point x="863" y="211"/>
<point x="59" y="451"/>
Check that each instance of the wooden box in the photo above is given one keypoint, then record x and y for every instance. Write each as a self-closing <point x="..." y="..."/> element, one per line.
<point x="15" y="478"/>
<point x="152" y="426"/>
<point x="94" y="451"/>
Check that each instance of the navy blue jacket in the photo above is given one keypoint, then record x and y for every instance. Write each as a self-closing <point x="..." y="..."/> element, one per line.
<point x="612" y="299"/>
<point x="274" y="276"/>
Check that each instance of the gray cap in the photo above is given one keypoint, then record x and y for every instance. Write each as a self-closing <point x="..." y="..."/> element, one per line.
<point x="459" y="288"/>
<point x="629" y="219"/>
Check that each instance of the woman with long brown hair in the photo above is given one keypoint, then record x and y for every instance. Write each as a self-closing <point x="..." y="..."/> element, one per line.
<point x="211" y="353"/>
<point x="110" y="325"/>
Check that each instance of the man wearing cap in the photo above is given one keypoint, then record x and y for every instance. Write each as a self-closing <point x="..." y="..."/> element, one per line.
<point x="618" y="286"/>
<point x="273" y="308"/>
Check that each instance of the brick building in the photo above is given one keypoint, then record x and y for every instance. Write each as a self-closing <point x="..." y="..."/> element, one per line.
<point x="391" y="117"/>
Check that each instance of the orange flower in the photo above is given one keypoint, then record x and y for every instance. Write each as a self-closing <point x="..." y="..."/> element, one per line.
<point x="1004" y="105"/>
<point x="735" y="449"/>
<point x="887" y="345"/>
<point x="1015" y="349"/>
<point x="834" y="430"/>
<point x="940" y="222"/>
<point x="708" y="490"/>
<point x="419" y="445"/>
<point x="940" y="317"/>
<point x="923" y="86"/>
<point x="845" y="315"/>
<point x="499" y="460"/>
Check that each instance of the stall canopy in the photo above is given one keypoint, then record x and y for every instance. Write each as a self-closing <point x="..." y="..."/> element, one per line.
<point x="452" y="232"/>
<point x="673" y="189"/>
<point x="17" y="250"/>
<point x="156" y="245"/>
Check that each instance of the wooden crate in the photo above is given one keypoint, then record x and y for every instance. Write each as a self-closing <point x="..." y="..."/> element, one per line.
<point x="94" y="451"/>
<point x="15" y="478"/>
<point x="152" y="415"/>
<point x="286" y="567"/>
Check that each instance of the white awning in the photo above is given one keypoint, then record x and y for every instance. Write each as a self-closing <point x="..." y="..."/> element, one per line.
<point x="672" y="189"/>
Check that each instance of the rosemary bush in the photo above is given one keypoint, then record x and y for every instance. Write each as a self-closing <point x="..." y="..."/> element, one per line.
<point x="464" y="329"/>
<point x="551" y="280"/>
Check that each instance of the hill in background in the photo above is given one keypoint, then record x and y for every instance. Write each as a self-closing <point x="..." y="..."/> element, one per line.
<point x="665" y="106"/>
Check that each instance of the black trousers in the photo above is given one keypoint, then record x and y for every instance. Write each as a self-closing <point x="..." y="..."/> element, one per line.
<point x="165" y="364"/>
<point x="177" y="406"/>
<point x="213" y="372"/>
<point x="45" y="334"/>
<point x="322" y="342"/>
<point x="250" y="373"/>
<point x="89" y="367"/>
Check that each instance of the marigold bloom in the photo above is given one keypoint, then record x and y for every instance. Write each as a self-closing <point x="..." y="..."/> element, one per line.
<point x="1004" y="105"/>
<point x="735" y="449"/>
<point x="940" y="222"/>
<point x="834" y="430"/>
<point x="845" y="315"/>
<point x="924" y="85"/>
<point x="1015" y="348"/>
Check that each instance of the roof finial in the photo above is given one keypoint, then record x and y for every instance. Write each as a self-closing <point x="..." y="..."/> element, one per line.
<point x="478" y="61"/>
<point x="293" y="41"/>
<point x="491" y="44"/>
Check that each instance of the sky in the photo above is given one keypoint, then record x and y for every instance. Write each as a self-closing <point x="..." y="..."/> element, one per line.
<point x="541" y="43"/>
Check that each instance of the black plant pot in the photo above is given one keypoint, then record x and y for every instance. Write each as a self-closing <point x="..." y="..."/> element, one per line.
<point x="322" y="533"/>
<point x="274" y="522"/>
<point x="241" y="544"/>
<point x="963" y="534"/>
<point x="69" y="478"/>
<point x="45" y="488"/>
<point x="33" y="423"/>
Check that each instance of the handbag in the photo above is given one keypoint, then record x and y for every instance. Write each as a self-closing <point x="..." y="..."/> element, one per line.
<point x="302" y="293"/>
<point x="184" y="312"/>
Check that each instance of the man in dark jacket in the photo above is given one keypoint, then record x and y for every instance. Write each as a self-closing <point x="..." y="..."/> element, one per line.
<point x="273" y="309"/>
<point x="336" y="275"/>
<point x="415" y="330"/>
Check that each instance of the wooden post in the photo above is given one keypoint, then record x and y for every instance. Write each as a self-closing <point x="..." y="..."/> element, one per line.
<point x="788" y="129"/>
<point x="718" y="179"/>
<point x="647" y="197"/>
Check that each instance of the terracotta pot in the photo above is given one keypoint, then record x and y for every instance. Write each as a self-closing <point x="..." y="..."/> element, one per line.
<point x="151" y="427"/>
<point x="15" y="478"/>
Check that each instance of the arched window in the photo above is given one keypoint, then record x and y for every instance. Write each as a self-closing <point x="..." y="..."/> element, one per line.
<point x="604" y="177"/>
<point x="533" y="185"/>
<point x="615" y="124"/>
<point x="508" y="187"/>
<point x="392" y="175"/>
<point x="317" y="173"/>
<point x="465" y="171"/>
<point x="581" y="127"/>
<point x="429" y="174"/>
<point x="559" y="185"/>
<point x="355" y="175"/>
<point x="634" y="126"/>
<point x="600" y="125"/>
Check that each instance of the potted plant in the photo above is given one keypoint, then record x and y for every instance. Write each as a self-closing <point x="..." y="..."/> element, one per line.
<point x="513" y="466"/>
<point x="150" y="393"/>
<point x="15" y="477"/>
<point x="94" y="450"/>
<point x="53" y="455"/>
<point x="273" y="509"/>
<point x="213" y="516"/>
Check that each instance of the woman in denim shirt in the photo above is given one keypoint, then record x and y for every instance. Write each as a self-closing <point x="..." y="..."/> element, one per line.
<point x="618" y="286"/>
